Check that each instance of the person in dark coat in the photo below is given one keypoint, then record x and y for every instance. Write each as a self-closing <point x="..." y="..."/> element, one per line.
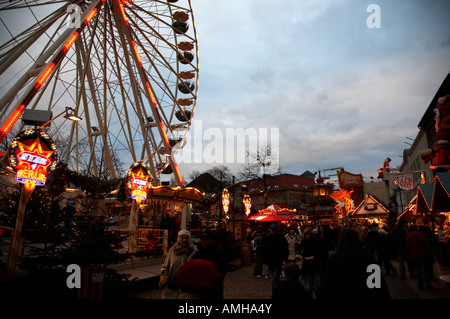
<point x="309" y="249"/>
<point x="276" y="252"/>
<point x="258" y="244"/>
<point x="345" y="276"/>
<point x="324" y="244"/>
<point x="385" y="251"/>
<point x="210" y="251"/>
<point x="421" y="254"/>
<point x="398" y="236"/>
<point x="290" y="287"/>
<point x="373" y="241"/>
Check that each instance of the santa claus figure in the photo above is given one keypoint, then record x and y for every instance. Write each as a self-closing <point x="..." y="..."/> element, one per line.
<point x="386" y="164"/>
<point x="441" y="160"/>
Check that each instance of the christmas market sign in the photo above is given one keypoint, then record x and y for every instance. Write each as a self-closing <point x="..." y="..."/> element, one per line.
<point x="138" y="181"/>
<point x="33" y="156"/>
<point x="347" y="179"/>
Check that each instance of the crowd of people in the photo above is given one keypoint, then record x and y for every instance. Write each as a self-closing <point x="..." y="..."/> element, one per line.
<point x="308" y="262"/>
<point x="332" y="261"/>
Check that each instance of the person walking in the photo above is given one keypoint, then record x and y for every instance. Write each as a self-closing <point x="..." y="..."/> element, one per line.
<point x="398" y="236"/>
<point x="182" y="251"/>
<point x="345" y="275"/>
<point x="258" y="245"/>
<point x="372" y="241"/>
<point x="310" y="264"/>
<point x="293" y="240"/>
<point x="421" y="254"/>
<point x="385" y="251"/>
<point x="323" y="245"/>
<point x="276" y="252"/>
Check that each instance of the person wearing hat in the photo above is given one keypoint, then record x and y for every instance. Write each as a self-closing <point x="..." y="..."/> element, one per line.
<point x="210" y="251"/>
<point x="182" y="251"/>
<point x="276" y="252"/>
<point x="200" y="279"/>
<point x="290" y="286"/>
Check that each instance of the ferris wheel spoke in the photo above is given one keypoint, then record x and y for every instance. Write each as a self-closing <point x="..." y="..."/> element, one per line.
<point x="97" y="108"/>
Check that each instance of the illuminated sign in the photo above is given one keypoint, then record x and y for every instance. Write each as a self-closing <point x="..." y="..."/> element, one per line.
<point x="347" y="179"/>
<point x="247" y="204"/>
<point x="225" y="201"/>
<point x="33" y="156"/>
<point x="138" y="181"/>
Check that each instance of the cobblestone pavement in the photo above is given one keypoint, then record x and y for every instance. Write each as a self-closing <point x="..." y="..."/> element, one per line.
<point x="240" y="284"/>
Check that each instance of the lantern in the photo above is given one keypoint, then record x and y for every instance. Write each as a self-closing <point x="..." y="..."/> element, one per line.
<point x="225" y="200"/>
<point x="247" y="204"/>
<point x="33" y="156"/>
<point x="138" y="181"/>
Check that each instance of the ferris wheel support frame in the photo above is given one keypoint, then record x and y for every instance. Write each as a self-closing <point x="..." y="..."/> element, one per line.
<point x="88" y="75"/>
<point x="118" y="8"/>
<point x="24" y="46"/>
<point x="138" y="102"/>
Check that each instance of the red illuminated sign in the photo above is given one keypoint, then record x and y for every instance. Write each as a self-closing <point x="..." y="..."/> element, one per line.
<point x="247" y="204"/>
<point x="225" y="201"/>
<point x="33" y="156"/>
<point x="138" y="181"/>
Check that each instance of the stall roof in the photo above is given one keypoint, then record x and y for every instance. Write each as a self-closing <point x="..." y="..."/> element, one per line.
<point x="409" y="211"/>
<point x="371" y="206"/>
<point x="424" y="198"/>
<point x="441" y="194"/>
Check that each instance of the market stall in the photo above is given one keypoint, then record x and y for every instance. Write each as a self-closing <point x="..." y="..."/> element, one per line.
<point x="275" y="213"/>
<point x="431" y="203"/>
<point x="371" y="209"/>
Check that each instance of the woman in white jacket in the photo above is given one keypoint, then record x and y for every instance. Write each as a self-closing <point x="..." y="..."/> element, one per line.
<point x="293" y="240"/>
<point x="178" y="254"/>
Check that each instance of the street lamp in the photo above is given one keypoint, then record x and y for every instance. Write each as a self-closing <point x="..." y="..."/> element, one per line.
<point x="69" y="115"/>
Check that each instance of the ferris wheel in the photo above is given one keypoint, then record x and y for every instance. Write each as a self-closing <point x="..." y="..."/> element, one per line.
<point x="128" y="69"/>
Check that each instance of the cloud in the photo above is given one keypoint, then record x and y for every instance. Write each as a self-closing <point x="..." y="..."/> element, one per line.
<point x="339" y="92"/>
